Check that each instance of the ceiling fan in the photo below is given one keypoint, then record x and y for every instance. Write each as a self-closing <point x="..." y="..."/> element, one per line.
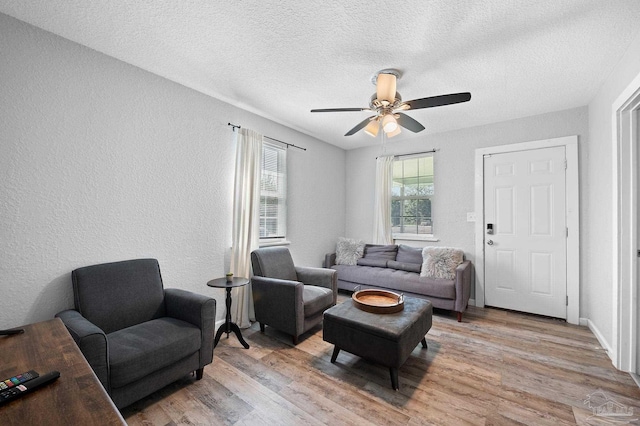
<point x="388" y="106"/>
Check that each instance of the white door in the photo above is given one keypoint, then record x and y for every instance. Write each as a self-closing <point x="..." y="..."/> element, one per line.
<point x="525" y="231"/>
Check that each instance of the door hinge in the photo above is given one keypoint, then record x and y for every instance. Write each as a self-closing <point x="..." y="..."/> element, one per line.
<point x="567" y="229"/>
<point x="567" y="301"/>
<point x="565" y="164"/>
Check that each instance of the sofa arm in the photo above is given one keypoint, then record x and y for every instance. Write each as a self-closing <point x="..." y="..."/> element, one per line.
<point x="92" y="342"/>
<point x="464" y="273"/>
<point x="329" y="260"/>
<point x="320" y="277"/>
<point x="279" y="303"/>
<point x="195" y="309"/>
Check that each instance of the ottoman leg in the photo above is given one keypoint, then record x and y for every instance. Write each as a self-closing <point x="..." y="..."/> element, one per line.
<point x="424" y="343"/>
<point x="336" y="350"/>
<point x="394" y="377"/>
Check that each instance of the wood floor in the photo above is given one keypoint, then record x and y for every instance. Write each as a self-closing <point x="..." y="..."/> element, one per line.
<point x="495" y="367"/>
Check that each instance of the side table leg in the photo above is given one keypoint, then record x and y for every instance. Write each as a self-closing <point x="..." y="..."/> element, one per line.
<point x="424" y="343"/>
<point x="234" y="327"/>
<point x="218" y="334"/>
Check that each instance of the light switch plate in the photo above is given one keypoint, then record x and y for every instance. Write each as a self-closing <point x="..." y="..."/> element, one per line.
<point x="471" y="216"/>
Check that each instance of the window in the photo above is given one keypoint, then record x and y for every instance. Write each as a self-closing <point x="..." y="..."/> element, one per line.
<point x="273" y="193"/>
<point x="411" y="196"/>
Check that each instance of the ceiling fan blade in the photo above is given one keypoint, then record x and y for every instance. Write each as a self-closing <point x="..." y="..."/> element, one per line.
<point x="360" y="126"/>
<point x="340" y="109"/>
<point x="436" y="101"/>
<point x="409" y="123"/>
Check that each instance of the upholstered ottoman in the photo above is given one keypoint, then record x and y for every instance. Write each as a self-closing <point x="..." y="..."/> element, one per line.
<point x="386" y="339"/>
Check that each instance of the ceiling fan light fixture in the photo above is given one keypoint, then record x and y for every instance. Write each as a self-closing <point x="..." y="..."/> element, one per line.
<point x="389" y="123"/>
<point x="372" y="128"/>
<point x="386" y="88"/>
<point x="394" y="133"/>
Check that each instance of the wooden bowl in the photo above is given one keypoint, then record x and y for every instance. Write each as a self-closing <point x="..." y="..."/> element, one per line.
<point x="378" y="301"/>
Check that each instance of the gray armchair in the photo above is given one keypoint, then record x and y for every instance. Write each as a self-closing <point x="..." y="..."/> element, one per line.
<point x="137" y="336"/>
<point x="287" y="297"/>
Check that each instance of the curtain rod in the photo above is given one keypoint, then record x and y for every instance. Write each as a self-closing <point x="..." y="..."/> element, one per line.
<point x="235" y="126"/>
<point x="413" y="153"/>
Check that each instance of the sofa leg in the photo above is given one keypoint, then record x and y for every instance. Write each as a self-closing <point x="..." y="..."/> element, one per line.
<point x="295" y="340"/>
<point x="459" y="316"/>
<point x="199" y="373"/>
<point x="262" y="327"/>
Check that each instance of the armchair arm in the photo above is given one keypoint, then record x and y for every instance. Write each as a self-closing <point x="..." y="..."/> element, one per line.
<point x="320" y="277"/>
<point x="464" y="272"/>
<point x="92" y="342"/>
<point x="329" y="260"/>
<point x="195" y="309"/>
<point x="279" y="303"/>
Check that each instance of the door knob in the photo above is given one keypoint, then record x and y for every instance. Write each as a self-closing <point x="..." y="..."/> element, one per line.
<point x="490" y="242"/>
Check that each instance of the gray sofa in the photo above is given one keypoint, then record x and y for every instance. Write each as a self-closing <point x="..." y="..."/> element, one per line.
<point x="397" y="268"/>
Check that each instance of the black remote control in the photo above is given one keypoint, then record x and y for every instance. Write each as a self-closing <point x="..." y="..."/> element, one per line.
<point x="10" y="332"/>
<point x="18" y="379"/>
<point x="17" y="391"/>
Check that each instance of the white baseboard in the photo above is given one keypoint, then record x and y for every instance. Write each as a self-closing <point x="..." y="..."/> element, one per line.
<point x="472" y="302"/>
<point x="603" y="342"/>
<point x="584" y="322"/>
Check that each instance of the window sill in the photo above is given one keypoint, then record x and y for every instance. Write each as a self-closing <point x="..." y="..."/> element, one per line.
<point x="274" y="243"/>
<point x="415" y="237"/>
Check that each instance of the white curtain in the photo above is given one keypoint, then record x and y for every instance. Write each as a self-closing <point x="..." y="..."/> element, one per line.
<point x="382" y="208"/>
<point x="246" y="219"/>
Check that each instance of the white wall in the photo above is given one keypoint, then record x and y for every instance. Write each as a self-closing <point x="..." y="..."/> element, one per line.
<point x="454" y="172"/>
<point x="598" y="207"/>
<point x="101" y="161"/>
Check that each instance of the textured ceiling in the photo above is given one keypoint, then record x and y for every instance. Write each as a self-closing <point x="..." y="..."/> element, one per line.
<point x="280" y="59"/>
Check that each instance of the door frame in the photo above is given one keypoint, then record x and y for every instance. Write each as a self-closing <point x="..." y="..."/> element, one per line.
<point x="625" y="226"/>
<point x="572" y="213"/>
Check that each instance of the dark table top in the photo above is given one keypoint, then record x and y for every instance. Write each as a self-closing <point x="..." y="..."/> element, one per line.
<point x="223" y="283"/>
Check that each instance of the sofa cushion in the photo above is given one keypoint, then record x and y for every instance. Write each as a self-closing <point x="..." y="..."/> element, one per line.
<point x="403" y="266"/>
<point x="139" y="350"/>
<point x="380" y="263"/>
<point x="441" y="262"/>
<point x="316" y="299"/>
<point x="375" y="251"/>
<point x="348" y="251"/>
<point x="397" y="280"/>
<point x="408" y="254"/>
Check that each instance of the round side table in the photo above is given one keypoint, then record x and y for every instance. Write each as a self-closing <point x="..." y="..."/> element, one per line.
<point x="229" y="326"/>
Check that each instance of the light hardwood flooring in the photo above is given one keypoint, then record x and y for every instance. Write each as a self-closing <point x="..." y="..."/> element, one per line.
<point x="495" y="367"/>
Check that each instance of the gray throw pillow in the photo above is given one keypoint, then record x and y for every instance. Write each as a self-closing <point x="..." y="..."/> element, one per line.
<point x="376" y="251"/>
<point x="441" y="262"/>
<point x="408" y="254"/>
<point x="348" y="251"/>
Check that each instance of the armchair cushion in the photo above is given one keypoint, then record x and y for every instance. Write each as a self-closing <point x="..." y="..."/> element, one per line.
<point x="108" y="294"/>
<point x="316" y="299"/>
<point x="276" y="262"/>
<point x="137" y="351"/>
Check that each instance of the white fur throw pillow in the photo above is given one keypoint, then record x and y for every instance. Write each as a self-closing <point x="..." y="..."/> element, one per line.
<point x="348" y="251"/>
<point x="441" y="262"/>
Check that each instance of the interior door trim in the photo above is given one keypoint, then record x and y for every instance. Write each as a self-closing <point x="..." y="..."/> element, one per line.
<point x="625" y="227"/>
<point x="572" y="211"/>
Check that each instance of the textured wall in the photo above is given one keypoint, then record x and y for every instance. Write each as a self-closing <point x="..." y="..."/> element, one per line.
<point x="454" y="172"/>
<point x="101" y="161"/>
